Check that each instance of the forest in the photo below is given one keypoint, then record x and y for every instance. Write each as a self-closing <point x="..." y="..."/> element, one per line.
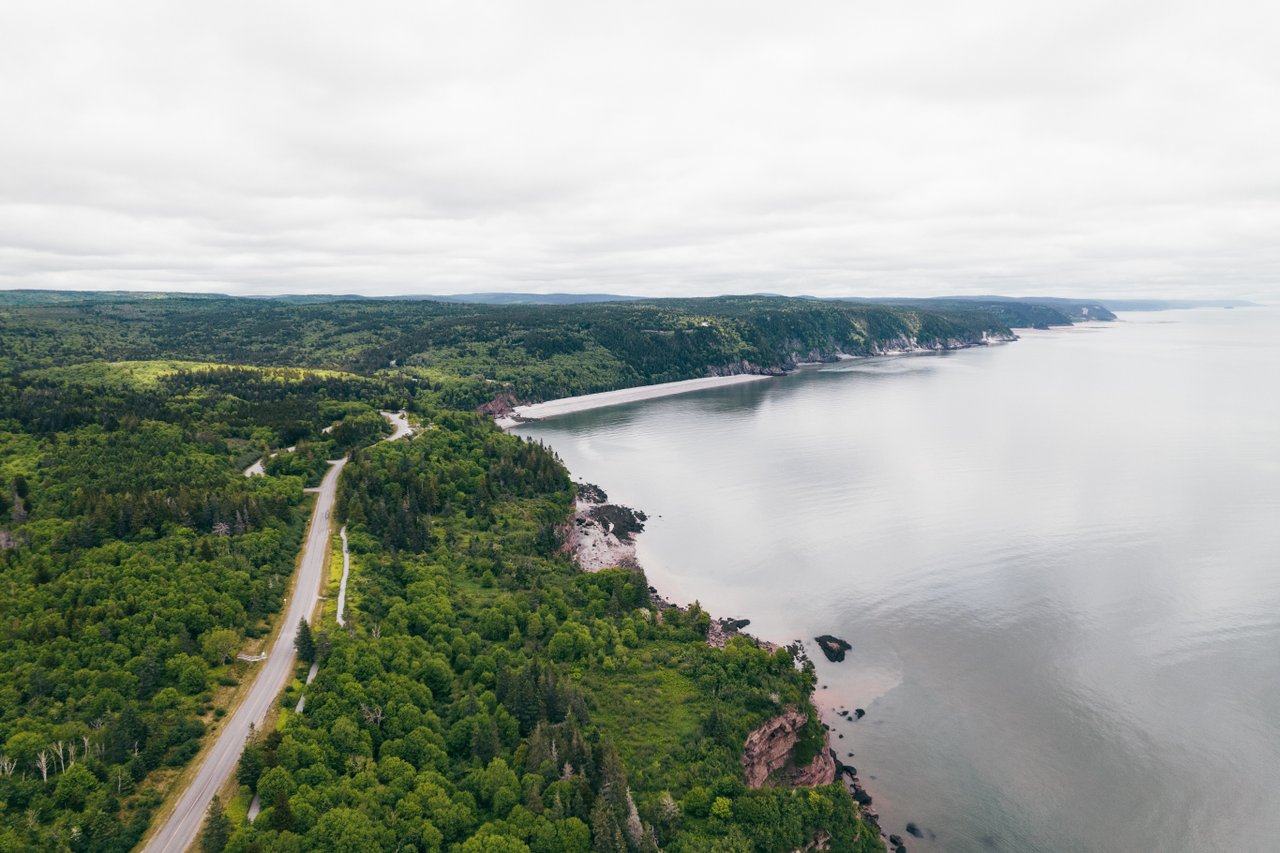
<point x="485" y="694"/>
<point x="470" y="353"/>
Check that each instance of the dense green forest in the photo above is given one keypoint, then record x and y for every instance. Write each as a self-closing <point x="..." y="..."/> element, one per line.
<point x="470" y="353"/>
<point x="486" y="695"/>
<point x="489" y="696"/>
<point x="136" y="562"/>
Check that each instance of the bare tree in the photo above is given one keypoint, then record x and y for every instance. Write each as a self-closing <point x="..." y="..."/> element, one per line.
<point x="221" y="528"/>
<point x="372" y="714"/>
<point x="7" y="765"/>
<point x="42" y="763"/>
<point x="62" y="758"/>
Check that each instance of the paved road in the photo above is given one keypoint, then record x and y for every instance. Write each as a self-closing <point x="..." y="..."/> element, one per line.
<point x="181" y="827"/>
<point x="399" y="424"/>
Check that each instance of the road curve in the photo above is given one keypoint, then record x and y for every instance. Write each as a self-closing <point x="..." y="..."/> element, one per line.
<point x="182" y="825"/>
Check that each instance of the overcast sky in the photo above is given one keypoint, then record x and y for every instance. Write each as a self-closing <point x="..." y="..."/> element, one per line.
<point x="887" y="148"/>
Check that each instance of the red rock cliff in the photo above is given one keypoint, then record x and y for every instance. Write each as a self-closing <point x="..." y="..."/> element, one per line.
<point x="769" y="751"/>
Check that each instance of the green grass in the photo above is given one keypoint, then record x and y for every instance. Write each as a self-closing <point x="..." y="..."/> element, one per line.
<point x="238" y="807"/>
<point x="652" y="712"/>
<point x="147" y="374"/>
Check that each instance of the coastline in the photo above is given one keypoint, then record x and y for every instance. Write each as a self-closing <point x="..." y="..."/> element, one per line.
<point x="591" y="540"/>
<point x="601" y="535"/>
<point x="585" y="402"/>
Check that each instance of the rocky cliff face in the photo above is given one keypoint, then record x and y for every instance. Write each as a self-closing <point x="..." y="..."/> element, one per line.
<point x="498" y="406"/>
<point x="769" y="749"/>
<point x="908" y="343"/>
<point x="901" y="343"/>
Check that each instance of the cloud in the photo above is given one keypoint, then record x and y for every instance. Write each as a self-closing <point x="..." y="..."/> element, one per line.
<point x="663" y="148"/>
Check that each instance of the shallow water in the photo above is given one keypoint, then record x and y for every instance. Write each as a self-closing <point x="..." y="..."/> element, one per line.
<point x="1058" y="562"/>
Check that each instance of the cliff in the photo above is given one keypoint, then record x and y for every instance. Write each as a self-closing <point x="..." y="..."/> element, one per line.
<point x="768" y="754"/>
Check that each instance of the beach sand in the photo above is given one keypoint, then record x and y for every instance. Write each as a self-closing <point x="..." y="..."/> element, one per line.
<point x="567" y="405"/>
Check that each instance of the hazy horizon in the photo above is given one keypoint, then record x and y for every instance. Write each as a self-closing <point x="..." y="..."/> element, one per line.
<point x="1192" y="297"/>
<point x="917" y="149"/>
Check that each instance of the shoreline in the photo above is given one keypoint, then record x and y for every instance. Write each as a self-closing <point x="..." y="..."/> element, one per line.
<point x="601" y="534"/>
<point x="586" y="402"/>
<point x="509" y="418"/>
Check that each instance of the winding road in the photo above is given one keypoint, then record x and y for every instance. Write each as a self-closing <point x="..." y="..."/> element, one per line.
<point x="182" y="825"/>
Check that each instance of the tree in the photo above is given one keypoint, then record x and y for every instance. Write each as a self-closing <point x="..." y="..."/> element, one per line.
<point x="304" y="642"/>
<point x="74" y="787"/>
<point x="344" y="830"/>
<point x="217" y="829"/>
<point x="273" y="783"/>
<point x="250" y="767"/>
<point x="281" y="813"/>
<point x="219" y="645"/>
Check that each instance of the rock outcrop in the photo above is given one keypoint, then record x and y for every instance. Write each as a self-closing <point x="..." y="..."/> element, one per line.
<point x="500" y="405"/>
<point x="769" y="753"/>
<point x="602" y="535"/>
<point x="833" y="647"/>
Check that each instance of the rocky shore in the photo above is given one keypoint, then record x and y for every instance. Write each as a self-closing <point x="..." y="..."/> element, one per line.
<point x="508" y="412"/>
<point x="601" y="535"/>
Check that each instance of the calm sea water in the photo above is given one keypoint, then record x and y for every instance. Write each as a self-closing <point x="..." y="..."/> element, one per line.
<point x="1058" y="562"/>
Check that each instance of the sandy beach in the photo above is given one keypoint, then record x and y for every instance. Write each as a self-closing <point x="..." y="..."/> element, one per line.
<point x="567" y="405"/>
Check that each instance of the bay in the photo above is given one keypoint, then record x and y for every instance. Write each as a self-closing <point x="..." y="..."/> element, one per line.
<point x="1057" y="560"/>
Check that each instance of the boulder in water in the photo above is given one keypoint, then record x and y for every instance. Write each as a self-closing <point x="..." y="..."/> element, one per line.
<point x="833" y="647"/>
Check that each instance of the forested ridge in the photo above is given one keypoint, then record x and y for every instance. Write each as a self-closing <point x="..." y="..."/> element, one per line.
<point x="486" y="694"/>
<point x="472" y="352"/>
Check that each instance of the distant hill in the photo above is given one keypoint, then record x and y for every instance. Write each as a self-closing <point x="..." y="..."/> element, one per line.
<point x="1172" y="304"/>
<point x="518" y="298"/>
<point x="47" y="297"/>
<point x="1030" y="312"/>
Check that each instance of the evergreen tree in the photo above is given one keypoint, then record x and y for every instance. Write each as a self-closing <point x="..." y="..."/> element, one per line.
<point x="281" y="813"/>
<point x="305" y="642"/>
<point x="217" y="829"/>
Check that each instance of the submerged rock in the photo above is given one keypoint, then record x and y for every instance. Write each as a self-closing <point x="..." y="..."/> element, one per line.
<point x="914" y="831"/>
<point x="859" y="713"/>
<point x="833" y="647"/>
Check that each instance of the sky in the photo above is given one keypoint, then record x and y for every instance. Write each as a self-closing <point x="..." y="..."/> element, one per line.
<point x="896" y="148"/>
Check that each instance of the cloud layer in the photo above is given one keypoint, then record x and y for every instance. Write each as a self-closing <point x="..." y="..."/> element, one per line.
<point x="659" y="148"/>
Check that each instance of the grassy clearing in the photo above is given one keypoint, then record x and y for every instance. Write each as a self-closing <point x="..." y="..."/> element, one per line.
<point x="147" y="374"/>
<point x="652" y="713"/>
